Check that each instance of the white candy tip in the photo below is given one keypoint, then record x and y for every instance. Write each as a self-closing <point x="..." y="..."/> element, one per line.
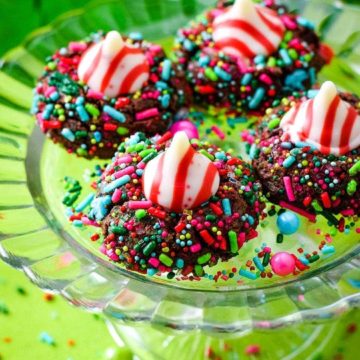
<point x="327" y="89"/>
<point x="243" y="7"/>
<point x="113" y="42"/>
<point x="180" y="141"/>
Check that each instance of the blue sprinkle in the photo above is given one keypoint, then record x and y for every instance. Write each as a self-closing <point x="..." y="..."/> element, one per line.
<point x="248" y="274"/>
<point x="312" y="93"/>
<point x="258" y="264"/>
<point x="286" y="145"/>
<point x="188" y="45"/>
<point x="304" y="260"/>
<point x="305" y="23"/>
<point x="312" y="74"/>
<point x="204" y="61"/>
<point x="135" y="35"/>
<point x="151" y="272"/>
<point x="165" y="101"/>
<point x="166" y="70"/>
<point x="246" y="79"/>
<point x="285" y="56"/>
<point x="117" y="115"/>
<point x="259" y="59"/>
<point x="257" y="98"/>
<point x="99" y="210"/>
<point x="77" y="223"/>
<point x="34" y="107"/>
<point x="289" y="161"/>
<point x="250" y="220"/>
<point x="79" y="100"/>
<point x="160" y="85"/>
<point x="296" y="80"/>
<point x="134" y="139"/>
<point x="232" y="122"/>
<point x="179" y="263"/>
<point x="97" y="136"/>
<point x="85" y="203"/>
<point x="117" y="183"/>
<point x="220" y="155"/>
<point x="302" y="144"/>
<point x="47" y="112"/>
<point x="46" y="338"/>
<point x="84" y="116"/>
<point x="68" y="134"/>
<point x="328" y="249"/>
<point x="139" y="172"/>
<point x="226" y="206"/>
<point x="55" y="96"/>
<point x="252" y="152"/>
<point x="222" y="74"/>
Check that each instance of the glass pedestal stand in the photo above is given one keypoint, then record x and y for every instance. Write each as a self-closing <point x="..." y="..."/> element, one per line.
<point x="156" y="318"/>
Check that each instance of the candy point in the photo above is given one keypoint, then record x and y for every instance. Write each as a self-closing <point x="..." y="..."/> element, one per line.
<point x="113" y="42"/>
<point x="243" y="7"/>
<point x="327" y="89"/>
<point x="179" y="143"/>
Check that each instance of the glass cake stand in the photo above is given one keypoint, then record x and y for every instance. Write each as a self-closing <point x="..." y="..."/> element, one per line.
<point x="161" y="318"/>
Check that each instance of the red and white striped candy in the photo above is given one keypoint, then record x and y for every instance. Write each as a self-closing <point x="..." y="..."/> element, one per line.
<point x="180" y="178"/>
<point x="327" y="122"/>
<point x="247" y="30"/>
<point x="113" y="67"/>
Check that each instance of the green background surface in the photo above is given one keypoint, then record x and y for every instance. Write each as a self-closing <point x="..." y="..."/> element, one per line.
<point x="24" y="312"/>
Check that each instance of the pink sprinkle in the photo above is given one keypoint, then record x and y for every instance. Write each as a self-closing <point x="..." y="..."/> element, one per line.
<point x="141" y="165"/>
<point x="49" y="91"/>
<point x="114" y="257"/>
<point x="86" y="221"/>
<point x="218" y="132"/>
<point x="147" y="113"/>
<point x="127" y="171"/>
<point x="301" y="297"/>
<point x="241" y="239"/>
<point x="288" y="188"/>
<point x="195" y="248"/>
<point x="154" y="262"/>
<point x="252" y="350"/>
<point x="347" y="212"/>
<point x="266" y="79"/>
<point x="123" y="160"/>
<point x="328" y="238"/>
<point x="116" y="196"/>
<point x="309" y="216"/>
<point x="289" y="23"/>
<point x="94" y="94"/>
<point x="77" y="46"/>
<point x="139" y="204"/>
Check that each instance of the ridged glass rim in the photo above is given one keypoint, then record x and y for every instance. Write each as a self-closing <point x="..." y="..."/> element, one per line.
<point x="14" y="53"/>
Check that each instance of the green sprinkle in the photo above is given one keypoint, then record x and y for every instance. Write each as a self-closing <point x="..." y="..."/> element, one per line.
<point x="205" y="153"/>
<point x="234" y="247"/>
<point x="118" y="230"/>
<point x="273" y="123"/>
<point x="209" y="73"/>
<point x="316" y="205"/>
<point x="354" y="169"/>
<point x="122" y="130"/>
<point x="149" y="157"/>
<point x="266" y="259"/>
<point x="92" y="109"/>
<point x="146" y="152"/>
<point x="314" y="258"/>
<point x="199" y="271"/>
<point x="279" y="238"/>
<point x="149" y="248"/>
<point x="139" y="214"/>
<point x="351" y="187"/>
<point x="203" y="259"/>
<point x="166" y="260"/>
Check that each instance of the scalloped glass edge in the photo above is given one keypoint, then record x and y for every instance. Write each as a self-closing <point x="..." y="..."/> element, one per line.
<point x="56" y="264"/>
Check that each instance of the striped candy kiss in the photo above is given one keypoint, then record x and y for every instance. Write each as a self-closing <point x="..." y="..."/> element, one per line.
<point x="113" y="67"/>
<point x="247" y="30"/>
<point x="327" y="122"/>
<point x="180" y="178"/>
